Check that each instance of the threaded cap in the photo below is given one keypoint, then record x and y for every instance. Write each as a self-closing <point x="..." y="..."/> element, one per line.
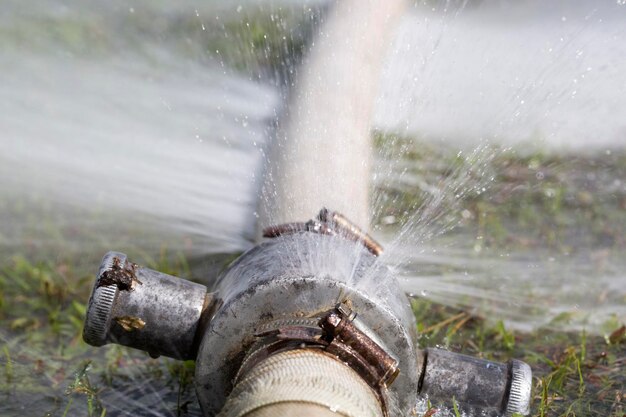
<point x="101" y="302"/>
<point x="521" y="386"/>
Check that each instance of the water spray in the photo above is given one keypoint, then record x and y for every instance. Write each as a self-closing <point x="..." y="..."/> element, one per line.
<point x="309" y="322"/>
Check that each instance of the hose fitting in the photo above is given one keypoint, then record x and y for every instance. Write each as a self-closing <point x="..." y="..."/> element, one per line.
<point x="314" y="310"/>
<point x="476" y="384"/>
<point x="144" y="309"/>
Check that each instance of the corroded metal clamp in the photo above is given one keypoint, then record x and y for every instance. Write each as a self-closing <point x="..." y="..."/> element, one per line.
<point x="335" y="333"/>
<point x="346" y="341"/>
<point x="329" y="223"/>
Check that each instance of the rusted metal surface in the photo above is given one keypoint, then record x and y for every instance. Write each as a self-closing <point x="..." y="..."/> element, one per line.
<point x="335" y="334"/>
<point x="122" y="274"/>
<point x="349" y="230"/>
<point x="130" y="323"/>
<point x="329" y="223"/>
<point x="287" y="228"/>
<point x="341" y="330"/>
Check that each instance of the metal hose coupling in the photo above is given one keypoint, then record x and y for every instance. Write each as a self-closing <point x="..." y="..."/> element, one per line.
<point x="137" y="307"/>
<point x="309" y="322"/>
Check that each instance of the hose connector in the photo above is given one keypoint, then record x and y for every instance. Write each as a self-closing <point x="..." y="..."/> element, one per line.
<point x="144" y="309"/>
<point x="311" y="319"/>
<point x="476" y="384"/>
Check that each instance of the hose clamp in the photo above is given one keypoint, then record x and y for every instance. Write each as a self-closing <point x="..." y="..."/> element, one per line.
<point x="335" y="334"/>
<point x="329" y="223"/>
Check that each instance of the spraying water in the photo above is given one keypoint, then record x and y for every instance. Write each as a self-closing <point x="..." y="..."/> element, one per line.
<point x="523" y="74"/>
<point x="548" y="75"/>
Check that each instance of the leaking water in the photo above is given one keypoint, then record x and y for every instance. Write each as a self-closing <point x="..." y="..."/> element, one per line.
<point x="142" y="126"/>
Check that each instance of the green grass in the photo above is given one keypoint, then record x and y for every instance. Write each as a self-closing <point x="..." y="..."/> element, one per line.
<point x="575" y="374"/>
<point x="45" y="365"/>
<point x="556" y="201"/>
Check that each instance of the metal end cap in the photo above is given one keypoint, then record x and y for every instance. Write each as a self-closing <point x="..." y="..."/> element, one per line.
<point x="521" y="387"/>
<point x="101" y="302"/>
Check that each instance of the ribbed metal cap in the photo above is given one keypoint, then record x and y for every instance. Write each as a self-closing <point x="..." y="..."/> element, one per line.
<point x="521" y="387"/>
<point x="101" y="302"/>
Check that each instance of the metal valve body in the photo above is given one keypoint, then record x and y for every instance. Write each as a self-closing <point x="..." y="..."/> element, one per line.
<point x="286" y="280"/>
<point x="300" y="291"/>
